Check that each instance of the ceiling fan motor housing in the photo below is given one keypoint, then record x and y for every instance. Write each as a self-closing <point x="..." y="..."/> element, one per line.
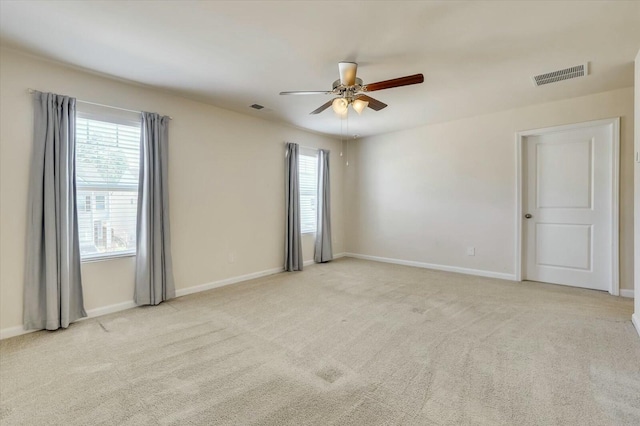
<point x="337" y="84"/>
<point x="347" y="72"/>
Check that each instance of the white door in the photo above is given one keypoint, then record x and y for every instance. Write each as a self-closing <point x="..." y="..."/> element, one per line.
<point x="568" y="206"/>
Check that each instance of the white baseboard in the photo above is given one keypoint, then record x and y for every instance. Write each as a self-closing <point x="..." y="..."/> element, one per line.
<point x="227" y="281"/>
<point x="460" y="270"/>
<point x="311" y="262"/>
<point x="116" y="307"/>
<point x="626" y="293"/>
<point x="635" y="319"/>
<point x="5" y="333"/>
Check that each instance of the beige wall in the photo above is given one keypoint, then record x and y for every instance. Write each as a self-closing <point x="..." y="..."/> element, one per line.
<point x="426" y="194"/>
<point x="226" y="184"/>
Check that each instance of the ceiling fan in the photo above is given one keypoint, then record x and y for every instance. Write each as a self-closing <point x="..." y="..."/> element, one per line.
<point x="350" y="90"/>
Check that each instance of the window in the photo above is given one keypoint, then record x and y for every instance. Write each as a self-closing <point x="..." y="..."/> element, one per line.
<point x="107" y="165"/>
<point x="308" y="173"/>
<point x="86" y="205"/>
<point x="99" y="202"/>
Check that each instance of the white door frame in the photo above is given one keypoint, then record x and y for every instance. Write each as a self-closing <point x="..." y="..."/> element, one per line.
<point x="614" y="288"/>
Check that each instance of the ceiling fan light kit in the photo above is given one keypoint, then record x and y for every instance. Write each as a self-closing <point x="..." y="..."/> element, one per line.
<point x="359" y="105"/>
<point x="340" y="105"/>
<point x="350" y="90"/>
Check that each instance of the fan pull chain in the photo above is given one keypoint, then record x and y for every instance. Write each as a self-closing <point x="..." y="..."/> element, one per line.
<point x="341" y="138"/>
<point x="347" y="139"/>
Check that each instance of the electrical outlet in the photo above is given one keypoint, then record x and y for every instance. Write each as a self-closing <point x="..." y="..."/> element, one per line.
<point x="471" y="251"/>
<point x="232" y="256"/>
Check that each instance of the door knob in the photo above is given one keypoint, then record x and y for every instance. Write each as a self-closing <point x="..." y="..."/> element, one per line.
<point x="528" y="216"/>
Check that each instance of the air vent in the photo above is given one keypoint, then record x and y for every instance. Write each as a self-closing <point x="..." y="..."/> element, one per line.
<point x="256" y="106"/>
<point x="565" y="74"/>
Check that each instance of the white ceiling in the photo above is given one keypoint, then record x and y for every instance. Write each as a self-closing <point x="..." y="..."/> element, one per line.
<point x="477" y="57"/>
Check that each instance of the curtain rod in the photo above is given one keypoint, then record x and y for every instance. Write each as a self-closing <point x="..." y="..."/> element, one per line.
<point x="308" y="147"/>
<point x="102" y="105"/>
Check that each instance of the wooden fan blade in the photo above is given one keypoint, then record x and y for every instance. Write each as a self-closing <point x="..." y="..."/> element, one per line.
<point x="396" y="82"/>
<point x="374" y="104"/>
<point x="322" y="108"/>
<point x="318" y="92"/>
<point x="347" y="73"/>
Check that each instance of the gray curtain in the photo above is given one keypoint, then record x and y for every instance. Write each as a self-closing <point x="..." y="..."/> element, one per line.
<point x="293" y="237"/>
<point x="323" y="249"/>
<point x="53" y="287"/>
<point x="154" y="269"/>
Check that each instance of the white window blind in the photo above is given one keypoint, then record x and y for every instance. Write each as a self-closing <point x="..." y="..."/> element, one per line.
<point x="107" y="166"/>
<point x="308" y="173"/>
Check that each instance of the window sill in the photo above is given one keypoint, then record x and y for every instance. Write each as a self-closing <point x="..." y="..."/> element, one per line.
<point x="106" y="257"/>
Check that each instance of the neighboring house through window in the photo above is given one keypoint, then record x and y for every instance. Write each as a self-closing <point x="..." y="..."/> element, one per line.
<point x="107" y="166"/>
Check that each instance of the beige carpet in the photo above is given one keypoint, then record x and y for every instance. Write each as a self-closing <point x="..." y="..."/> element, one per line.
<point x="347" y="343"/>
